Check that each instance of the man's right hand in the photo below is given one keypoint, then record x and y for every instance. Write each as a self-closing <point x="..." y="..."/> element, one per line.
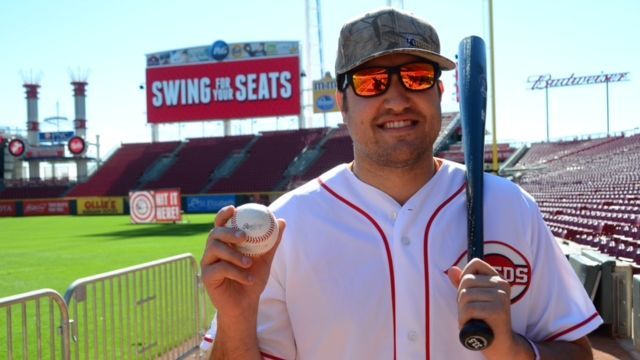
<point x="234" y="281"/>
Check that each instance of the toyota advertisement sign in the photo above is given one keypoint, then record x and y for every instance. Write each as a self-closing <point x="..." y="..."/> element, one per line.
<point x="223" y="81"/>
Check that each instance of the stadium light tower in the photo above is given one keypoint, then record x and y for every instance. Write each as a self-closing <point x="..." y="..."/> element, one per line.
<point x="313" y="8"/>
<point x="33" y="127"/>
<point x="320" y="52"/>
<point x="306" y="80"/>
<point x="79" y="83"/>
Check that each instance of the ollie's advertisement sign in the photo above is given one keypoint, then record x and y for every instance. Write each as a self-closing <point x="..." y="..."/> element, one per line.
<point x="259" y="87"/>
<point x="100" y="205"/>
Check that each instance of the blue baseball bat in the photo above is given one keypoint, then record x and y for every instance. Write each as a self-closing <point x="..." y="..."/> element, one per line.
<point x="472" y="81"/>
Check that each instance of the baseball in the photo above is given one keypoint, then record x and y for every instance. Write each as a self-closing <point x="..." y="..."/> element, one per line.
<point x="260" y="225"/>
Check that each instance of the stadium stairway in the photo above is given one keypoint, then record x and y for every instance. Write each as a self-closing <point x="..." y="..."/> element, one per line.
<point x="507" y="167"/>
<point x="335" y="148"/>
<point x="448" y="133"/>
<point x="230" y="165"/>
<point x="121" y="173"/>
<point x="307" y="158"/>
<point x="197" y="161"/>
<point x="267" y="161"/>
<point x="159" y="167"/>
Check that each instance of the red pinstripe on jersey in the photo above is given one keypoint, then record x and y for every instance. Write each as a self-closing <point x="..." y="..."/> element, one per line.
<point x="270" y="357"/>
<point x="575" y="327"/>
<point x="386" y="247"/>
<point x="426" y="265"/>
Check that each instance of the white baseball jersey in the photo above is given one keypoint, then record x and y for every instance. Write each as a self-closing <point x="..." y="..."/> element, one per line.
<point x="358" y="276"/>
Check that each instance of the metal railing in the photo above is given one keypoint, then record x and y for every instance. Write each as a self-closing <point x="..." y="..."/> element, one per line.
<point x="155" y="310"/>
<point x="37" y="325"/>
<point x="149" y="311"/>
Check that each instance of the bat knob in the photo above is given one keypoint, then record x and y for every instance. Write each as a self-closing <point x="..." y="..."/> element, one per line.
<point x="476" y="335"/>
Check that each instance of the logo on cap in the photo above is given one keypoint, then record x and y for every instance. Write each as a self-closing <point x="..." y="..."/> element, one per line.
<point x="413" y="42"/>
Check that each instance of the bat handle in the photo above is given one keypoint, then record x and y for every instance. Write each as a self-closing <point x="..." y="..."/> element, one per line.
<point x="476" y="335"/>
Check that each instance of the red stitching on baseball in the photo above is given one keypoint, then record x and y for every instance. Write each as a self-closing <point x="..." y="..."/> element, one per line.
<point x="267" y="234"/>
<point x="256" y="239"/>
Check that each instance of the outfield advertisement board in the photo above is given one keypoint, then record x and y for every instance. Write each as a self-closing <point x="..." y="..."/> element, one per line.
<point x="324" y="95"/>
<point x="209" y="203"/>
<point x="155" y="206"/>
<point x="100" y="205"/>
<point x="7" y="209"/>
<point x="45" y="207"/>
<point x="223" y="51"/>
<point x="260" y="87"/>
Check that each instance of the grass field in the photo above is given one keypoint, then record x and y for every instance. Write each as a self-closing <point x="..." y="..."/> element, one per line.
<point x="53" y="251"/>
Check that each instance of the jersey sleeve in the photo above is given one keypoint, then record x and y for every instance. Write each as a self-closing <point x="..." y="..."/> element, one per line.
<point x="562" y="310"/>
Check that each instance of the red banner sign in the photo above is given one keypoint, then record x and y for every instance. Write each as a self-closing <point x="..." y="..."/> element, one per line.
<point x="55" y="207"/>
<point x="7" y="209"/>
<point x="226" y="90"/>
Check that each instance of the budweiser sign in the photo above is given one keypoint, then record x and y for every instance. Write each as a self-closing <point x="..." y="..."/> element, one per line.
<point x="546" y="81"/>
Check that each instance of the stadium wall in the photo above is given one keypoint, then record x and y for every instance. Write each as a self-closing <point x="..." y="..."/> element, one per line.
<point x="119" y="205"/>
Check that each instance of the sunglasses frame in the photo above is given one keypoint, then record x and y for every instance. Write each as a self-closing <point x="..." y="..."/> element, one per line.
<point x="390" y="70"/>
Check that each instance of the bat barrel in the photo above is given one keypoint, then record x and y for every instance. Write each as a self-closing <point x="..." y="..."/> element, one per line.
<point x="473" y="102"/>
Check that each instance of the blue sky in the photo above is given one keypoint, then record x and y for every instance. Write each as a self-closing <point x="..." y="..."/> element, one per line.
<point x="108" y="40"/>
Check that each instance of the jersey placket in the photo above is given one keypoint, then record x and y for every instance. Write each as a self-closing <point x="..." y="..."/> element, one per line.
<point x="406" y="247"/>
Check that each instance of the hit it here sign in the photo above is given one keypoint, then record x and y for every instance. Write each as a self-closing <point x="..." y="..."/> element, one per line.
<point x="155" y="206"/>
<point x="259" y="87"/>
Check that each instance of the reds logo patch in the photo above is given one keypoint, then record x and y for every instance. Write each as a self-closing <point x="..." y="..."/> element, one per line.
<point x="509" y="263"/>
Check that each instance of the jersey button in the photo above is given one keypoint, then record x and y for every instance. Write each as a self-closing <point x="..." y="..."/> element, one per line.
<point x="394" y="215"/>
<point x="405" y="240"/>
<point x="412" y="335"/>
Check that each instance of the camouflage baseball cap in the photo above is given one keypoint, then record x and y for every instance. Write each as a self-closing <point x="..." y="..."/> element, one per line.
<point x="384" y="32"/>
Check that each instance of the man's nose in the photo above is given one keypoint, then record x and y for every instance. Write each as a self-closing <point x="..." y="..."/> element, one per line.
<point x="396" y="97"/>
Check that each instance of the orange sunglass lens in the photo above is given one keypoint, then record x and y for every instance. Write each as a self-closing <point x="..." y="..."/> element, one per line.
<point x="370" y="82"/>
<point x="418" y="77"/>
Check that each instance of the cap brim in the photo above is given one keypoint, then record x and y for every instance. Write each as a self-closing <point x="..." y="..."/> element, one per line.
<point x="443" y="62"/>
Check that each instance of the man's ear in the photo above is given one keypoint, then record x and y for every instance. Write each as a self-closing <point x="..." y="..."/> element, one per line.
<point x="340" y="100"/>
<point x="441" y="88"/>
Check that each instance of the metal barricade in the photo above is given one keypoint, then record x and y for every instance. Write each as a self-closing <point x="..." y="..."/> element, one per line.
<point x="37" y="326"/>
<point x="148" y="311"/>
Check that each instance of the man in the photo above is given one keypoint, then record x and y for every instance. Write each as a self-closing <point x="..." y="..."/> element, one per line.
<point x="371" y="264"/>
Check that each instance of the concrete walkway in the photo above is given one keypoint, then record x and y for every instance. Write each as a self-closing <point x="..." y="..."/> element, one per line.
<point x="608" y="348"/>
